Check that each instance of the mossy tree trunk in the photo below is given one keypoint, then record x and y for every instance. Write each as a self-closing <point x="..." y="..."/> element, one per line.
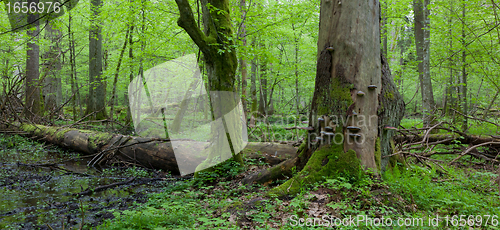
<point x="349" y="62"/>
<point x="216" y="44"/>
<point x="145" y="151"/>
<point x="354" y="99"/>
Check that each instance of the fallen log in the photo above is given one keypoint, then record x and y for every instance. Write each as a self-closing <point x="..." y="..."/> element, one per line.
<point x="143" y="151"/>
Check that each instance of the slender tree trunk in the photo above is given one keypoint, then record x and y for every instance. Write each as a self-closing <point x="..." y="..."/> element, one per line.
<point x="384" y="29"/>
<point x="72" y="67"/>
<point x="253" y="83"/>
<point x="52" y="67"/>
<point x="128" y="119"/>
<point x="33" y="103"/>
<point x="243" y="63"/>
<point x="297" y="94"/>
<point x="263" y="88"/>
<point x="117" y="73"/>
<point x="463" y="77"/>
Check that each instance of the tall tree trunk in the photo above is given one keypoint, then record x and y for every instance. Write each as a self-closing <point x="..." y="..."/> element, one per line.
<point x="96" y="102"/>
<point x="33" y="103"/>
<point x="422" y="41"/>
<point x="216" y="44"/>
<point x="117" y="73"/>
<point x="243" y="63"/>
<point x="297" y="94"/>
<point x="384" y="29"/>
<point x="72" y="67"/>
<point x="448" y="90"/>
<point x="348" y="63"/>
<point x="263" y="87"/>
<point x="128" y="119"/>
<point x="463" y="77"/>
<point x="253" y="83"/>
<point x="351" y="97"/>
<point x="52" y="67"/>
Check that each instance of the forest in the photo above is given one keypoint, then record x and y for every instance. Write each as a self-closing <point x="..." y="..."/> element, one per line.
<point x="249" y="114"/>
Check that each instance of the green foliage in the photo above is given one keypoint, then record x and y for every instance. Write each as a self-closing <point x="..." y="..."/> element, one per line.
<point x="15" y="148"/>
<point x="328" y="161"/>
<point x="461" y="191"/>
<point x="223" y="171"/>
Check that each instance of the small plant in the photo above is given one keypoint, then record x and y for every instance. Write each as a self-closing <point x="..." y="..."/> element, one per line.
<point x="224" y="171"/>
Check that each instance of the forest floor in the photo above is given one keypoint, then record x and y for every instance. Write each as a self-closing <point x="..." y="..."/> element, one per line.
<point x="416" y="196"/>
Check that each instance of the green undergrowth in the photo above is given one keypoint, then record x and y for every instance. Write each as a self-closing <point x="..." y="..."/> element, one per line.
<point x="413" y="194"/>
<point x="16" y="148"/>
<point x="457" y="192"/>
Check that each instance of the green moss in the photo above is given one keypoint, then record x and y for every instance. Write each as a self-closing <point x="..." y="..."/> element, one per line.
<point x="339" y="99"/>
<point x="394" y="160"/>
<point x="302" y="148"/>
<point x="378" y="155"/>
<point x="97" y="139"/>
<point x="41" y="130"/>
<point x="326" y="162"/>
<point x="389" y="95"/>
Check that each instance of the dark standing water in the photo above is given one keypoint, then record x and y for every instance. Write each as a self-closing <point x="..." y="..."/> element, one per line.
<point x="35" y="197"/>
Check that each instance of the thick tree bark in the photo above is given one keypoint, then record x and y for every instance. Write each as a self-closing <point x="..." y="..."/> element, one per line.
<point x="33" y="102"/>
<point x="352" y="30"/>
<point x="390" y="112"/>
<point x="97" y="89"/>
<point x="354" y="100"/>
<point x="147" y="152"/>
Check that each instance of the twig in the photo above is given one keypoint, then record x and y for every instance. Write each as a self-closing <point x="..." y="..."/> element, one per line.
<point x="471" y="148"/>
<point x="104" y="187"/>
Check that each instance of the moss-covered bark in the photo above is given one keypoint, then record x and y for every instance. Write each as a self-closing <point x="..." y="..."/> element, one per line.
<point x="328" y="161"/>
<point x="148" y="152"/>
<point x="390" y="111"/>
<point x="352" y="89"/>
<point x="217" y="45"/>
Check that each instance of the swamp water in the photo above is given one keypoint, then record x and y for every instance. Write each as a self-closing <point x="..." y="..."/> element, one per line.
<point x="35" y="193"/>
